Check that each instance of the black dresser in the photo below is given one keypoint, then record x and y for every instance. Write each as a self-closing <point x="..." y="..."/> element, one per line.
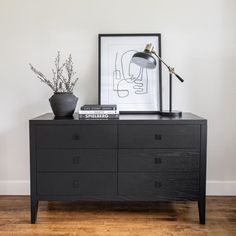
<point x="135" y="158"/>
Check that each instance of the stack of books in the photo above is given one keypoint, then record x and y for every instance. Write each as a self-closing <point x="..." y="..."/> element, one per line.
<point x="99" y="112"/>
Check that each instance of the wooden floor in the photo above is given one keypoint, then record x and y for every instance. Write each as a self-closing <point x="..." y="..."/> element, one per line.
<point x="67" y="218"/>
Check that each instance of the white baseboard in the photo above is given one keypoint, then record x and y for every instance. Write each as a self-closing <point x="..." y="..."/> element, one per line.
<point x="216" y="188"/>
<point x="15" y="187"/>
<point x="221" y="188"/>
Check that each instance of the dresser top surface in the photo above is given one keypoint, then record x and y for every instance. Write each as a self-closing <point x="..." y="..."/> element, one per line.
<point x="123" y="118"/>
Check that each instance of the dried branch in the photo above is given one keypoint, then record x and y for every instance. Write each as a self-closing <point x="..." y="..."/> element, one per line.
<point x="42" y="77"/>
<point x="73" y="84"/>
<point x="60" y="82"/>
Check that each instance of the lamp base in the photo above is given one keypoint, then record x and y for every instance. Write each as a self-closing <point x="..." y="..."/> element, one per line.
<point x="170" y="113"/>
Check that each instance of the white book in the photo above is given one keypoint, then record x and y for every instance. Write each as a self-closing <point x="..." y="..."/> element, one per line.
<point x="88" y="112"/>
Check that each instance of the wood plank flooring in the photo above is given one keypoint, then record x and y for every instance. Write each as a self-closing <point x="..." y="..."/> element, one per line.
<point x="103" y="219"/>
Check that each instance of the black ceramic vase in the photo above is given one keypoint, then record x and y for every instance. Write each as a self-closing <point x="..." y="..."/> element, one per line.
<point x="63" y="104"/>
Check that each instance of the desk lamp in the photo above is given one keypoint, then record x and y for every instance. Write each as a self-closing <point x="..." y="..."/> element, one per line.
<point x="147" y="60"/>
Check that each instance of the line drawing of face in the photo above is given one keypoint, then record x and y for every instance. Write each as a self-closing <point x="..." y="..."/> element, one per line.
<point x="128" y="77"/>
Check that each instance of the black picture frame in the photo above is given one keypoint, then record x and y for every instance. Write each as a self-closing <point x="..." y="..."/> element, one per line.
<point x="159" y="69"/>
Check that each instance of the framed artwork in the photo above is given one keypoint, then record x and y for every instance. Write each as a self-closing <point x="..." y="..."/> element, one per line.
<point x="134" y="89"/>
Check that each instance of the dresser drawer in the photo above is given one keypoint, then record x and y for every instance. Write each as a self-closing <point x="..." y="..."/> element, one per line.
<point x="76" y="160"/>
<point x="76" y="136"/>
<point x="154" y="186"/>
<point x="159" y="136"/>
<point x="158" y="160"/>
<point x="76" y="184"/>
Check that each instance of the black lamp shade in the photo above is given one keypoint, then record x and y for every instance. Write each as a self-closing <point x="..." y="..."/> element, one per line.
<point x="144" y="59"/>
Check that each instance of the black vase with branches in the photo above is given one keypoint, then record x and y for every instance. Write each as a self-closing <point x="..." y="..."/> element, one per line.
<point x="63" y="102"/>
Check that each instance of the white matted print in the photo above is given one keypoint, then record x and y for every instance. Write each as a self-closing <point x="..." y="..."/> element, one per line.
<point x="131" y="87"/>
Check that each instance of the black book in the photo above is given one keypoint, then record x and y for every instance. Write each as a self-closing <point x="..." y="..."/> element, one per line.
<point x="99" y="107"/>
<point x="98" y="116"/>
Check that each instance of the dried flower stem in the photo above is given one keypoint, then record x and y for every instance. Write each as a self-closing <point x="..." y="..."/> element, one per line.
<point x="60" y="82"/>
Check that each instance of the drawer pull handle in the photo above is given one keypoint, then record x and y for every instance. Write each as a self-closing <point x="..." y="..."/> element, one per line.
<point x="76" y="184"/>
<point x="158" y="160"/>
<point x="157" y="184"/>
<point x="76" y="160"/>
<point x="158" y="136"/>
<point x="76" y="137"/>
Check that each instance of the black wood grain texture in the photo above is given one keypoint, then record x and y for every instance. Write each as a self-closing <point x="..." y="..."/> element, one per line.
<point x="151" y="186"/>
<point x="76" y="183"/>
<point x="146" y="119"/>
<point x="135" y="158"/>
<point x="33" y="167"/>
<point x="72" y="160"/>
<point x="159" y="136"/>
<point x="202" y="171"/>
<point x="146" y="160"/>
<point x="82" y="136"/>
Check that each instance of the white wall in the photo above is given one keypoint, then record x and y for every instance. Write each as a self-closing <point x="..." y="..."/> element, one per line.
<point x="198" y="38"/>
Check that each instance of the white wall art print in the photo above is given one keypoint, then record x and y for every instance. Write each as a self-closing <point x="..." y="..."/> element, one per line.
<point x="121" y="82"/>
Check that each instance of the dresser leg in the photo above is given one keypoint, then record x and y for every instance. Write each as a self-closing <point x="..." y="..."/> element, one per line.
<point x="34" y="210"/>
<point x="202" y="210"/>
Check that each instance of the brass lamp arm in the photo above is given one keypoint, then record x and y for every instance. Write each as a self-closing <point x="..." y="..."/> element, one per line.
<point x="150" y="49"/>
<point x="171" y="69"/>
